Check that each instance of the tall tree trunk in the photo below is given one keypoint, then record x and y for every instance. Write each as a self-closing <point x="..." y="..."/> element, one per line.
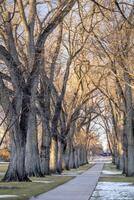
<point x="129" y="127"/>
<point x="45" y="147"/>
<point x="120" y="149"/>
<point x="32" y="161"/>
<point x="16" y="169"/>
<point x="76" y="165"/>
<point x="46" y="120"/>
<point x="78" y="153"/>
<point x="54" y="154"/>
<point x="68" y="155"/>
<point x="71" y="158"/>
<point x="60" y="157"/>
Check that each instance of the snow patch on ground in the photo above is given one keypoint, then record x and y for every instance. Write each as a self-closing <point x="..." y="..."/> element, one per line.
<point x="69" y="173"/>
<point x="42" y="181"/>
<point x="101" y="160"/>
<point x="113" y="191"/>
<point x="2" y="173"/>
<point x="107" y="172"/>
<point x="7" y="196"/>
<point x="73" y="173"/>
<point x="4" y="163"/>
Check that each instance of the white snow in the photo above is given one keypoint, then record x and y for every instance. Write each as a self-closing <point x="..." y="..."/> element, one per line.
<point x="111" y="172"/>
<point x="7" y="196"/>
<point x="113" y="191"/>
<point x="42" y="181"/>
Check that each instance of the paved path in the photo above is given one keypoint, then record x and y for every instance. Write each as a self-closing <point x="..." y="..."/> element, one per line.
<point x="79" y="188"/>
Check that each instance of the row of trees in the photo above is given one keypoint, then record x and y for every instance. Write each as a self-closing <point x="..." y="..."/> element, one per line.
<point x="44" y="94"/>
<point x="114" y="47"/>
<point x="65" y="64"/>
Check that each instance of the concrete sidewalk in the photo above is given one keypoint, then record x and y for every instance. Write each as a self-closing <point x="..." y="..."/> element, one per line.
<point x="79" y="188"/>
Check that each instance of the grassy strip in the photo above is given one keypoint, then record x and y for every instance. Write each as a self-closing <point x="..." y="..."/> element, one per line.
<point x="117" y="179"/>
<point x="114" y="178"/>
<point x="110" y="167"/>
<point x="79" y="170"/>
<point x="3" y="167"/>
<point x="26" y="190"/>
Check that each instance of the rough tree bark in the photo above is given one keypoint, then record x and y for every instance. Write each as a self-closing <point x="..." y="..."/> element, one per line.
<point x="32" y="160"/>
